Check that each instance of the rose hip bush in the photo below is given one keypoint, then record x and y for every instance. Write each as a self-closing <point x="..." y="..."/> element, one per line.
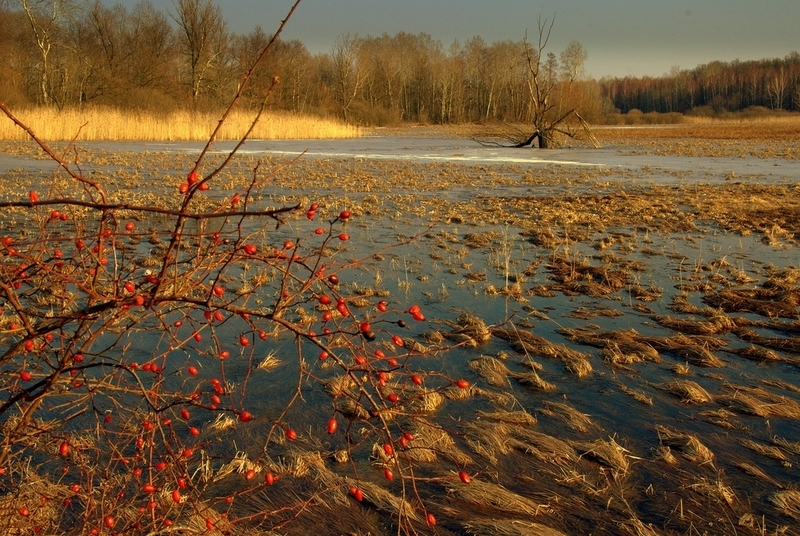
<point x="131" y="340"/>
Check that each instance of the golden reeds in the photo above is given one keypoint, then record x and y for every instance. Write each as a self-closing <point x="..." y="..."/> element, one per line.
<point x="494" y="497"/>
<point x="607" y="453"/>
<point x="687" y="444"/>
<point x="111" y="124"/>
<point x="492" y="370"/>
<point x="509" y="527"/>
<point x="688" y="391"/>
<point x="787" y="500"/>
<point x="571" y="416"/>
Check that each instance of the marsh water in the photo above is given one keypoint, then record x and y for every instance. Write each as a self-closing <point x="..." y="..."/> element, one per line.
<point x="475" y="252"/>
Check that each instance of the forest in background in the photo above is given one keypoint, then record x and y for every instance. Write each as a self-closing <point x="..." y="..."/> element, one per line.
<point x="68" y="53"/>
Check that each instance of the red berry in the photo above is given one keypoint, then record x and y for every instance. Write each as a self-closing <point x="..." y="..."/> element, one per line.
<point x="430" y="519"/>
<point x="63" y="449"/>
<point x="332" y="425"/>
<point x="357" y="494"/>
<point x="176" y="496"/>
<point x="344" y="215"/>
<point x="398" y="341"/>
<point x="250" y="474"/>
<point x="187" y="453"/>
<point x="130" y="226"/>
<point x="192" y="177"/>
<point x="382" y="306"/>
<point x="149" y="488"/>
<point x="108" y="521"/>
<point x="185" y="413"/>
<point x="291" y="435"/>
<point x="34" y="197"/>
<point x="192" y="370"/>
<point x="25" y="376"/>
<point x="324" y="300"/>
<point x="130" y="287"/>
<point x="365" y="327"/>
<point x="250" y="249"/>
<point x="319" y="230"/>
<point x="218" y="290"/>
<point x="417" y="379"/>
<point x="288" y="244"/>
<point x="387" y="473"/>
<point x="462" y="384"/>
<point x="464" y="477"/>
<point x="344" y="237"/>
<point x="194" y="431"/>
<point x="244" y="341"/>
<point x="245" y="416"/>
<point x="183" y="188"/>
<point x="269" y="478"/>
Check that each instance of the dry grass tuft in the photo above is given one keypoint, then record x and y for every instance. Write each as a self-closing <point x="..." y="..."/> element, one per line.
<point x="688" y="391"/>
<point x="714" y="490"/>
<point x="509" y="527"/>
<point x="532" y="379"/>
<point x="619" y="346"/>
<point x="485" y="495"/>
<point x="687" y="444"/>
<point x="758" y="401"/>
<point x="469" y="330"/>
<point x="765" y="450"/>
<point x="430" y="441"/>
<point x="526" y="342"/>
<point x="788" y="501"/>
<point x="637" y="394"/>
<point x="545" y="447"/>
<point x="488" y="439"/>
<point x="519" y="418"/>
<point x="694" y="350"/>
<point x="607" y="453"/>
<point x="571" y="416"/>
<point x="491" y="369"/>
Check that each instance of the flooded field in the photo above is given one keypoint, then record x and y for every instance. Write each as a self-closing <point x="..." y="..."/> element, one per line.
<point x="627" y="319"/>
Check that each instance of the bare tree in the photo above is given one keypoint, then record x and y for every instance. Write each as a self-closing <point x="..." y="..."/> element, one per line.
<point x="348" y="72"/>
<point x="202" y="38"/>
<point x="44" y="17"/>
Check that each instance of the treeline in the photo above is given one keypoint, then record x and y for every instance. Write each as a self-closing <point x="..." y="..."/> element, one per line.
<point x="712" y="88"/>
<point x="68" y="53"/>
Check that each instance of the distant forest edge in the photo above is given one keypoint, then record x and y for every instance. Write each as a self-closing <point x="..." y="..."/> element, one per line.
<point x="70" y="53"/>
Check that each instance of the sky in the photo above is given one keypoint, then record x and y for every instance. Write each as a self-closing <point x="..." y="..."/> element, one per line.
<point x="621" y="37"/>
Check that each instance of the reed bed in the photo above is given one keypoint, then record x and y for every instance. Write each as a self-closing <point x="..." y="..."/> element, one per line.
<point x="509" y="527"/>
<point x="110" y="124"/>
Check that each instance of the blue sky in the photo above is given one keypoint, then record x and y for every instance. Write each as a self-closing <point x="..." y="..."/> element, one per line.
<point x="621" y="37"/>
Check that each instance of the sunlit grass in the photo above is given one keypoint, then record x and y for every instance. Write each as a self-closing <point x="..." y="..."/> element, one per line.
<point x="122" y="125"/>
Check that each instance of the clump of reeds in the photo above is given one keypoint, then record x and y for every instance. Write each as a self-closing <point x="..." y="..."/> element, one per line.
<point x="424" y="401"/>
<point x="765" y="450"/>
<point x="430" y="441"/>
<point x="493" y="497"/>
<point x="543" y="446"/>
<point x="509" y="527"/>
<point x="492" y="370"/>
<point x="532" y="379"/>
<point x="715" y="490"/>
<point x="787" y="500"/>
<point x="607" y="453"/>
<point x="758" y="401"/>
<point x="688" y="391"/>
<point x="526" y="342"/>
<point x="687" y="444"/>
<point x="469" y="329"/>
<point x="716" y="325"/>
<point x="519" y="418"/>
<point x="571" y="416"/>
<point x="694" y="350"/>
<point x="623" y="346"/>
<point x="637" y="394"/>
<point x="488" y="439"/>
